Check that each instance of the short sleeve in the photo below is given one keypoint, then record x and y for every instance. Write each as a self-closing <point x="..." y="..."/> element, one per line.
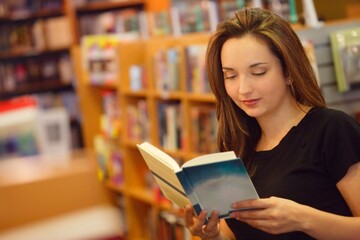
<point x="341" y="146"/>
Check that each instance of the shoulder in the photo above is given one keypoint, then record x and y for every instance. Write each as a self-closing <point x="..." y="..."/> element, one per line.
<point x="331" y="123"/>
<point x="328" y="112"/>
<point x="328" y="116"/>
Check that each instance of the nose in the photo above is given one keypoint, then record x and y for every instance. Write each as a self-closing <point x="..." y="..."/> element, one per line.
<point x="244" y="86"/>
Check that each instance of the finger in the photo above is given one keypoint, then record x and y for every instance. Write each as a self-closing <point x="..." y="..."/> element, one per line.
<point x="259" y="214"/>
<point x="189" y="218"/>
<point x="201" y="219"/>
<point x="211" y="229"/>
<point x="213" y="220"/>
<point x="196" y="228"/>
<point x="262" y="203"/>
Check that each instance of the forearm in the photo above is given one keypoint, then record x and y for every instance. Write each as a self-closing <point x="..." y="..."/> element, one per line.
<point x="323" y="225"/>
<point x="224" y="232"/>
<point x="221" y="236"/>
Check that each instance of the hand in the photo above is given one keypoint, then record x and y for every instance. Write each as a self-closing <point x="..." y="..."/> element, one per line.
<point x="273" y="215"/>
<point x="197" y="227"/>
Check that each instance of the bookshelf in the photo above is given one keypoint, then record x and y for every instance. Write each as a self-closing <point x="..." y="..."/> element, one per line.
<point x="141" y="203"/>
<point x="36" y="45"/>
<point x="85" y="15"/>
<point x="33" y="58"/>
<point x="35" y="55"/>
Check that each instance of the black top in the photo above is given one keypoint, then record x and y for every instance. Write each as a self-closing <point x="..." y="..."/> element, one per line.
<point x="305" y="167"/>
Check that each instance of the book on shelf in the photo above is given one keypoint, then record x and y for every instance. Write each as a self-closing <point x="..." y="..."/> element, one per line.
<point x="284" y="8"/>
<point x="170" y="122"/>
<point x="129" y="23"/>
<point x="138" y="123"/>
<point x="137" y="77"/>
<point x="159" y="23"/>
<point x="203" y="126"/>
<point x="109" y="159"/>
<point x="194" y="16"/>
<point x="57" y="33"/>
<point x="345" y="46"/>
<point x="171" y="226"/>
<point x="166" y="63"/>
<point x="208" y="182"/>
<point x="110" y="124"/>
<point x="100" y="58"/>
<point x="197" y="80"/>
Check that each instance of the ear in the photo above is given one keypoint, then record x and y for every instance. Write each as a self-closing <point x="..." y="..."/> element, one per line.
<point x="288" y="81"/>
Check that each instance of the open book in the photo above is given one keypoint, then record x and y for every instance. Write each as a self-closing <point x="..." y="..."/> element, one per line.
<point x="209" y="182"/>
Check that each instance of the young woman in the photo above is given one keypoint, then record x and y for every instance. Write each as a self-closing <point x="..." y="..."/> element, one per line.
<point x="303" y="158"/>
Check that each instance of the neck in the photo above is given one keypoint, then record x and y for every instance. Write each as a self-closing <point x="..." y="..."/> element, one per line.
<point x="274" y="127"/>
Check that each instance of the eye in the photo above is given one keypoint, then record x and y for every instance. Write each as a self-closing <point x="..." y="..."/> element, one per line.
<point x="259" y="73"/>
<point x="229" y="76"/>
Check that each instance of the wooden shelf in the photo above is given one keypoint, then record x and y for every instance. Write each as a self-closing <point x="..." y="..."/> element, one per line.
<point x="138" y="94"/>
<point x="41" y="187"/>
<point x="29" y="53"/>
<point x="31" y="16"/>
<point x="141" y="195"/>
<point x="198" y="97"/>
<point x="36" y="87"/>
<point x="120" y="188"/>
<point x="167" y="95"/>
<point x="106" y="86"/>
<point x="103" y="5"/>
<point x="130" y="143"/>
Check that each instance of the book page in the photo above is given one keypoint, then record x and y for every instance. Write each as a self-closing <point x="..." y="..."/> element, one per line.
<point x="160" y="155"/>
<point x="178" y="197"/>
<point x="162" y="167"/>
<point x="210" y="158"/>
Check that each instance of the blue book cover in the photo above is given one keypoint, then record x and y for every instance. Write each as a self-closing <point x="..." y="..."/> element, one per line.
<point x="216" y="185"/>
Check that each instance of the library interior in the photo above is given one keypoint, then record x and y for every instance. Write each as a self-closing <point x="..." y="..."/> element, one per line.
<point x="82" y="82"/>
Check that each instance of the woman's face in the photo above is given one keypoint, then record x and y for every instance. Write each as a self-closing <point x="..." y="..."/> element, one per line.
<point x="253" y="76"/>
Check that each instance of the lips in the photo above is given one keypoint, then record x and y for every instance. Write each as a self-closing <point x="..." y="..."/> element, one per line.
<point x="250" y="102"/>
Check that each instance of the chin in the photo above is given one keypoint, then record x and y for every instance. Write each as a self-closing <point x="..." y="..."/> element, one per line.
<point x="255" y="113"/>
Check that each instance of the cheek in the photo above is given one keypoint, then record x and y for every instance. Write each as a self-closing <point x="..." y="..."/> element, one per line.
<point x="273" y="84"/>
<point x="231" y="89"/>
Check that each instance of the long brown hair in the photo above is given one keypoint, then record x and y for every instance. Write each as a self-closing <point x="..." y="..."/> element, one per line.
<point x="236" y="130"/>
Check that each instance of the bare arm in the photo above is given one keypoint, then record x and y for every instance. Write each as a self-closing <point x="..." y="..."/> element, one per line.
<point x="318" y="224"/>
<point x="226" y="233"/>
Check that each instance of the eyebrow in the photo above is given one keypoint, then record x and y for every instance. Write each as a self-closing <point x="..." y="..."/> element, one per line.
<point x="257" y="64"/>
<point x="251" y="66"/>
<point x="227" y="68"/>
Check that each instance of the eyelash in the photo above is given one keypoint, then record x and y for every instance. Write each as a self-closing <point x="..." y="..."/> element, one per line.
<point x="254" y="74"/>
<point x="259" y="74"/>
<point x="230" y="77"/>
